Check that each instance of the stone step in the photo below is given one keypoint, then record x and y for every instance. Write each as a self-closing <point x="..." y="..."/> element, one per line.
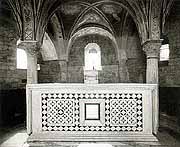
<point x="117" y="144"/>
<point x="164" y="140"/>
<point x="18" y="137"/>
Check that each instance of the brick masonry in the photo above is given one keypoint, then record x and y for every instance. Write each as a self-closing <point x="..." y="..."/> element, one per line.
<point x="169" y="73"/>
<point x="10" y="77"/>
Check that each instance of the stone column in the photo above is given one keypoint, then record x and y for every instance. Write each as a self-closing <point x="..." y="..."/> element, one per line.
<point x="31" y="48"/>
<point x="152" y="50"/>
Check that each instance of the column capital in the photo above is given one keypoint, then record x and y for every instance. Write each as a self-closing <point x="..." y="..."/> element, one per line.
<point x="32" y="47"/>
<point x="152" y="48"/>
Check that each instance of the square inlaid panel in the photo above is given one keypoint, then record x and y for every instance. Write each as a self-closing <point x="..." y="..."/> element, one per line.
<point x="92" y="111"/>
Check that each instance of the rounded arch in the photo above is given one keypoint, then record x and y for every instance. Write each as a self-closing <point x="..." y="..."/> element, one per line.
<point x="79" y="23"/>
<point x="91" y="46"/>
<point x="89" y="31"/>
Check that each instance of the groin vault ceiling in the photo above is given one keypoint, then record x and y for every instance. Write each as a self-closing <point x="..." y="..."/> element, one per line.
<point x="76" y="15"/>
<point x="74" y="19"/>
<point x="32" y="16"/>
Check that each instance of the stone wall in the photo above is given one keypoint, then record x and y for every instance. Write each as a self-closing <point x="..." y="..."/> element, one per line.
<point x="49" y="72"/>
<point x="136" y="59"/>
<point x="75" y="74"/>
<point x="108" y="51"/>
<point x="109" y="74"/>
<point x="169" y="73"/>
<point x="10" y="76"/>
<point x="109" y="71"/>
<point x="137" y="70"/>
<point x="12" y="80"/>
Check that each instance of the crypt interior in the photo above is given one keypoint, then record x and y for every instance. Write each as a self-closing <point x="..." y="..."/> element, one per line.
<point x="89" y="46"/>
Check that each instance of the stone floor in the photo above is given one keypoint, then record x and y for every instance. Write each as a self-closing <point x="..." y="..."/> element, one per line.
<point x="13" y="136"/>
<point x="16" y="137"/>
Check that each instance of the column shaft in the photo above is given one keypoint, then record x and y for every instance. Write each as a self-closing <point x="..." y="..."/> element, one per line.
<point x="152" y="49"/>
<point x="31" y="69"/>
<point x="152" y="71"/>
<point x="31" y="48"/>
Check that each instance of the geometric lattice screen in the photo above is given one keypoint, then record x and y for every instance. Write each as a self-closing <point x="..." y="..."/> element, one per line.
<point x="122" y="111"/>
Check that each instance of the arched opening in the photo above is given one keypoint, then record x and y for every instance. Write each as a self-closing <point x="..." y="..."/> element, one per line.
<point x="92" y="57"/>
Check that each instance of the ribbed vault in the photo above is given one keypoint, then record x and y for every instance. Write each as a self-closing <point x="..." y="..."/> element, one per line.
<point x="33" y="17"/>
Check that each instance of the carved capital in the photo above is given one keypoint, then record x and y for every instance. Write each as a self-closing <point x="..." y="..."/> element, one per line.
<point x="32" y="47"/>
<point x="152" y="48"/>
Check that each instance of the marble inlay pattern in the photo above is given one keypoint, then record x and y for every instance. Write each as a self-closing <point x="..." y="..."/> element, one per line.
<point x="61" y="112"/>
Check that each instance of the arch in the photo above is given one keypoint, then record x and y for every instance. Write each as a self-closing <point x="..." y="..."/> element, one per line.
<point x="92" y="53"/>
<point x="78" y="22"/>
<point x="55" y="31"/>
<point x="165" y="12"/>
<point x="133" y="8"/>
<point x="135" y="12"/>
<point x="89" y="31"/>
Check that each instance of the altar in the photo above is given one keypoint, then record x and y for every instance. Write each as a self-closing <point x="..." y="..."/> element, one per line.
<point x="91" y="112"/>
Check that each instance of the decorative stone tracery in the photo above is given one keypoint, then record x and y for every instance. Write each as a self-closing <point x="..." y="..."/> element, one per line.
<point x="28" y="21"/>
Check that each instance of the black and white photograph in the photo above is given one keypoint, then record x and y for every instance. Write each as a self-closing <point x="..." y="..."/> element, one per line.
<point x="89" y="73"/>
